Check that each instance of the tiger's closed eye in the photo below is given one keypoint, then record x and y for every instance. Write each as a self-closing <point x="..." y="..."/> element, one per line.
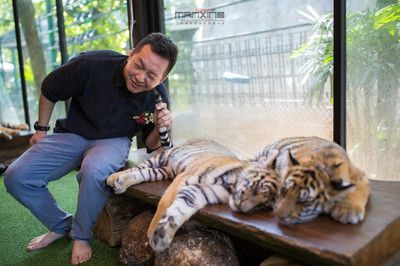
<point x="336" y="165"/>
<point x="303" y="195"/>
<point x="289" y="183"/>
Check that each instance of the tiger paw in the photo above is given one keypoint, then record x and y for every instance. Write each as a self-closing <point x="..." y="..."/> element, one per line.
<point x="163" y="235"/>
<point x="119" y="182"/>
<point x="160" y="240"/>
<point x="347" y="213"/>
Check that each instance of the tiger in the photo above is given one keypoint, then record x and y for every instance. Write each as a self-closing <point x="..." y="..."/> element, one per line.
<point x="316" y="176"/>
<point x="8" y="131"/>
<point x="203" y="173"/>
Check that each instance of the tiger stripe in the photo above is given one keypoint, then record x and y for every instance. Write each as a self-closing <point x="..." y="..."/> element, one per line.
<point x="317" y="176"/>
<point x="203" y="173"/>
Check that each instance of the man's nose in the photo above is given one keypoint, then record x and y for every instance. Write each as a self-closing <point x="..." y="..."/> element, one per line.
<point x="140" y="76"/>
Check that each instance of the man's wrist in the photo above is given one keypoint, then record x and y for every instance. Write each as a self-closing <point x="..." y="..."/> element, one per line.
<point x="38" y="127"/>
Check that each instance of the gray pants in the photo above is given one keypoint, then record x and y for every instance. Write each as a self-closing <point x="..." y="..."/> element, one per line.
<point x="53" y="157"/>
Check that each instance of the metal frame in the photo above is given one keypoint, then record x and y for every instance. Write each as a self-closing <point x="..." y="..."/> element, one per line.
<point x="147" y="17"/>
<point x="21" y="62"/>
<point x="62" y="40"/>
<point x="339" y="72"/>
<point x="61" y="31"/>
<point x="131" y="23"/>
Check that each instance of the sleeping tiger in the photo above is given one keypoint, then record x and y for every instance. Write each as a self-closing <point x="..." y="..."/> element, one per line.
<point x="203" y="173"/>
<point x="317" y="177"/>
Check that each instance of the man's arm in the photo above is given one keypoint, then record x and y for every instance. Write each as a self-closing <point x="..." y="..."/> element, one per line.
<point x="45" y="110"/>
<point x="162" y="118"/>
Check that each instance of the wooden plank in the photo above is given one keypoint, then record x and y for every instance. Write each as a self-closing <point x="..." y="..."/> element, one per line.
<point x="324" y="240"/>
<point x="12" y="149"/>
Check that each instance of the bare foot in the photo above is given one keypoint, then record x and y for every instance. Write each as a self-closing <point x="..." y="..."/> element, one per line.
<point x="81" y="252"/>
<point x="43" y="240"/>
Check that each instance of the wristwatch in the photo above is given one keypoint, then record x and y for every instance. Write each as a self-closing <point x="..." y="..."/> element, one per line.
<point x="40" y="128"/>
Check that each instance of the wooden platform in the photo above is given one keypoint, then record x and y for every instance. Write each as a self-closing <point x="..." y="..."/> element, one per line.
<point x="12" y="149"/>
<point x="321" y="242"/>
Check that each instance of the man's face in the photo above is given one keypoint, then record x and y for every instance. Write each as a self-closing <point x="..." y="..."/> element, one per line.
<point x="144" y="70"/>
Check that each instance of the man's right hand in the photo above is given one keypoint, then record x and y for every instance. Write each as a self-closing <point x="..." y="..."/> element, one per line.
<point x="37" y="136"/>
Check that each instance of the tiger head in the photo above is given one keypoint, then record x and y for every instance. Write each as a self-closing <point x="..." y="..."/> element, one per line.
<point x="256" y="187"/>
<point x="306" y="191"/>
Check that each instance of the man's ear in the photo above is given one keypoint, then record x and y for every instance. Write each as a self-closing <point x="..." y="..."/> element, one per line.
<point x="161" y="81"/>
<point x="164" y="79"/>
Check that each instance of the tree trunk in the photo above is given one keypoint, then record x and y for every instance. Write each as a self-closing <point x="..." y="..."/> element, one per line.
<point x="26" y="13"/>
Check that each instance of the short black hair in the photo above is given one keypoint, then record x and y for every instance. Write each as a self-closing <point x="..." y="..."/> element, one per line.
<point x="162" y="46"/>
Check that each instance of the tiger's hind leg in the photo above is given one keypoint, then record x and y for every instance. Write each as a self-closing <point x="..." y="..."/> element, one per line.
<point x="148" y="170"/>
<point x="187" y="202"/>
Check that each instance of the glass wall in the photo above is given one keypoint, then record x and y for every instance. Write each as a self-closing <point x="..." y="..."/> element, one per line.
<point x="40" y="52"/>
<point x="250" y="72"/>
<point x="373" y="86"/>
<point x="96" y="25"/>
<point x="89" y="25"/>
<point x="11" y="104"/>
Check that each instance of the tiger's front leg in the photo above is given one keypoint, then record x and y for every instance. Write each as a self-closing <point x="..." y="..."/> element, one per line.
<point x="188" y="201"/>
<point x="120" y="181"/>
<point x="351" y="209"/>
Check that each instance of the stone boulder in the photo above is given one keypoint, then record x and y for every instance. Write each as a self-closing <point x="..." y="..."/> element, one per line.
<point x="135" y="248"/>
<point x="196" y="245"/>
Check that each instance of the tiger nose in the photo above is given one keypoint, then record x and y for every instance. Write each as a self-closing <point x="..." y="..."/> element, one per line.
<point x="285" y="220"/>
<point x="232" y="203"/>
<point x="237" y="202"/>
<point x="282" y="209"/>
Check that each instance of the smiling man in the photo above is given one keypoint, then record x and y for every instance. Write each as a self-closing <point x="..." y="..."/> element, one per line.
<point x="110" y="94"/>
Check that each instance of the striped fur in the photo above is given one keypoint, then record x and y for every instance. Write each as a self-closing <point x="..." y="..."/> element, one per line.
<point x="203" y="173"/>
<point x="317" y="177"/>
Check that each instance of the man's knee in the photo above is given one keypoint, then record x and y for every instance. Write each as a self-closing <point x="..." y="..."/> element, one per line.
<point x="17" y="178"/>
<point x="12" y="179"/>
<point x="93" y="176"/>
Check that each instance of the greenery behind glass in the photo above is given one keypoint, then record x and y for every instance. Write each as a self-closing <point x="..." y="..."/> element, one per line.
<point x="89" y="25"/>
<point x="373" y="84"/>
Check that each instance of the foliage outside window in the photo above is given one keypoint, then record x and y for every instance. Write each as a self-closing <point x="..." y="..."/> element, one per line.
<point x="11" y="108"/>
<point x="96" y="25"/>
<point x="90" y="25"/>
<point x="373" y="87"/>
<point x="373" y="84"/>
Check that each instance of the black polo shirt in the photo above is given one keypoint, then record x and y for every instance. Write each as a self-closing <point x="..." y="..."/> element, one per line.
<point x="101" y="105"/>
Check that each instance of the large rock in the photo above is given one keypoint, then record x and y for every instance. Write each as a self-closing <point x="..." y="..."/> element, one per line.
<point x="135" y="248"/>
<point x="115" y="217"/>
<point x="195" y="245"/>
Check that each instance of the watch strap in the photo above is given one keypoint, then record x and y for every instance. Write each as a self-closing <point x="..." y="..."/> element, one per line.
<point x="40" y="128"/>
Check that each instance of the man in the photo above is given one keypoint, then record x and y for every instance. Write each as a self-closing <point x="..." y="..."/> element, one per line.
<point x="109" y="92"/>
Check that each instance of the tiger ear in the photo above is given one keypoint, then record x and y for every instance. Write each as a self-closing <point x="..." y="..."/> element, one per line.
<point x="271" y="159"/>
<point x="272" y="163"/>
<point x="292" y="161"/>
<point x="268" y="161"/>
